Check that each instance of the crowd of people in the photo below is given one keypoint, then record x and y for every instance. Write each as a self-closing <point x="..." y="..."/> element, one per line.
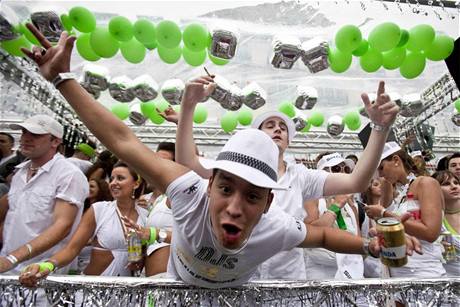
<point x="249" y="214"/>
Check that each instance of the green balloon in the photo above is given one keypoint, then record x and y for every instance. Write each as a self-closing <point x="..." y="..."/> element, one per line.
<point x="403" y="38"/>
<point x="362" y="49"/>
<point x="168" y="34"/>
<point x="84" y="48"/>
<point x="144" y="31"/>
<point x="121" y="110"/>
<point x="133" y="51"/>
<point x="156" y="118"/>
<point x="287" y="108"/>
<point x="348" y="38"/>
<point x="66" y="22"/>
<point x="316" y="119"/>
<point x="440" y="49"/>
<point x="151" y="46"/>
<point x="339" y="61"/>
<point x="169" y="56"/>
<point x="385" y="36"/>
<point x="195" y="37"/>
<point x="420" y="37"/>
<point x="14" y="46"/>
<point x="457" y="105"/>
<point x="394" y="58"/>
<point x="229" y="121"/>
<point x="194" y="58"/>
<point x="200" y="115"/>
<point x="307" y="126"/>
<point x="161" y="105"/>
<point x="82" y="19"/>
<point x="103" y="43"/>
<point x="30" y="37"/>
<point x="217" y="61"/>
<point x="371" y="61"/>
<point x="121" y="28"/>
<point x="352" y="120"/>
<point x="147" y="108"/>
<point x="413" y="65"/>
<point x="245" y="117"/>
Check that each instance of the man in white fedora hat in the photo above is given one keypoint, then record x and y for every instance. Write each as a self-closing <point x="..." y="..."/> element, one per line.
<point x="222" y="229"/>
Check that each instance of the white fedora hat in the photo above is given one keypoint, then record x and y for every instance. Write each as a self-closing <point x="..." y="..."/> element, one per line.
<point x="251" y="155"/>
<point x="264" y="116"/>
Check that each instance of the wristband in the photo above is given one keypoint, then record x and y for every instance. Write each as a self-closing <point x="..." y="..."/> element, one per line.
<point x="46" y="266"/>
<point x="377" y="127"/>
<point x="339" y="218"/>
<point x="152" y="238"/>
<point x="14" y="261"/>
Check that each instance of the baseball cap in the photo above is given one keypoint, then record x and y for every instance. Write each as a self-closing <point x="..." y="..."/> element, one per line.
<point x="334" y="159"/>
<point x="264" y="116"/>
<point x="86" y="149"/>
<point x="41" y="124"/>
<point x="251" y="155"/>
<point x="389" y="149"/>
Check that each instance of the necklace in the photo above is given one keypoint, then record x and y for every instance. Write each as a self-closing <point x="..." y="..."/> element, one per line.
<point x="34" y="169"/>
<point x="455" y="211"/>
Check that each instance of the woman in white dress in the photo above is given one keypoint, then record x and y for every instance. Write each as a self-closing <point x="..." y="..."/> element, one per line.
<point x="450" y="186"/>
<point x="102" y="222"/>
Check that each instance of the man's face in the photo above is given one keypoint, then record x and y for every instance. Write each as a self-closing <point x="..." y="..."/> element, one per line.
<point x="277" y="130"/>
<point x="37" y="145"/>
<point x="454" y="166"/>
<point x="235" y="206"/>
<point x="5" y="145"/>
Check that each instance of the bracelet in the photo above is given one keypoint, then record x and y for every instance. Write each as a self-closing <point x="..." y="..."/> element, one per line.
<point x="29" y="248"/>
<point x="152" y="237"/>
<point x="47" y="265"/>
<point x="14" y="261"/>
<point x="377" y="127"/>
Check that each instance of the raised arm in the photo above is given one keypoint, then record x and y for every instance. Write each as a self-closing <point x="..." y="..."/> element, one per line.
<point x="382" y="113"/>
<point x="196" y="90"/>
<point x="113" y="133"/>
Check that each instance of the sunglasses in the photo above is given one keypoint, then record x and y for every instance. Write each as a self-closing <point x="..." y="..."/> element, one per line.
<point x="341" y="169"/>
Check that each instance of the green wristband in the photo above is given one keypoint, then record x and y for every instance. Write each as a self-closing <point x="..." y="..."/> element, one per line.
<point x="152" y="238"/>
<point x="46" y="266"/>
<point x="338" y="212"/>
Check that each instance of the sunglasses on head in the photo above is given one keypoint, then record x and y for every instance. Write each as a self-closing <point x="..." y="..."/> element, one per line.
<point x="340" y="169"/>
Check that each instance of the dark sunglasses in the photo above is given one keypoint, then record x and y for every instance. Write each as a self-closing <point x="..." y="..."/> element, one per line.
<point x="341" y="169"/>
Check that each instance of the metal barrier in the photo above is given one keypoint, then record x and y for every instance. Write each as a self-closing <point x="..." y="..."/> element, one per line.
<point x="133" y="291"/>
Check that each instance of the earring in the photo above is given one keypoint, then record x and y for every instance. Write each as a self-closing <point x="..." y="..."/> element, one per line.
<point x="133" y="194"/>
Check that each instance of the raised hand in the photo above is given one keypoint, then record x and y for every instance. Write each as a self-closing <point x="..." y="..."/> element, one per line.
<point x="197" y="90"/>
<point x="383" y="111"/>
<point x="51" y="60"/>
<point x="170" y="115"/>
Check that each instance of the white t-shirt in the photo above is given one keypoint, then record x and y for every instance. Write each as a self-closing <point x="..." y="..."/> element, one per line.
<point x="303" y="184"/>
<point x="31" y="204"/>
<point x="196" y="256"/>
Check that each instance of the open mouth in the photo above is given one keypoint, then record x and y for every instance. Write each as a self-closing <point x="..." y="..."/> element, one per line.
<point x="232" y="233"/>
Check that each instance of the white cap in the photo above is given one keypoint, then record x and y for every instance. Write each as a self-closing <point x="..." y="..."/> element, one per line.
<point x="333" y="160"/>
<point x="41" y="124"/>
<point x="288" y="121"/>
<point x="389" y="149"/>
<point x="416" y="153"/>
<point x="251" y="155"/>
